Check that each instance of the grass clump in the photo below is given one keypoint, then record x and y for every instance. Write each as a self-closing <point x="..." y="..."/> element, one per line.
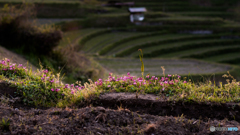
<point x="43" y="88"/>
<point x="174" y="87"/>
<point x="5" y="124"/>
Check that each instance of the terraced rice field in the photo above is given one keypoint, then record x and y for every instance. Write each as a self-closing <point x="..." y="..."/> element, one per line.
<point x="191" y="46"/>
<point x="99" y="42"/>
<point x="149" y="39"/>
<point x="160" y="49"/>
<point x="153" y="66"/>
<point x="223" y="57"/>
<point x="72" y="36"/>
<point x="187" y="53"/>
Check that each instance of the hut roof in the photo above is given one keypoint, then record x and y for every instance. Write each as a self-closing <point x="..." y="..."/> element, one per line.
<point x="138" y="9"/>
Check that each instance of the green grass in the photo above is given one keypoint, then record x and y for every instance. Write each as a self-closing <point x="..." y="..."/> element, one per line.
<point x="184" y="20"/>
<point x="71" y="36"/>
<point x="153" y="66"/>
<point x="205" y="14"/>
<point x="223" y="57"/>
<point x="182" y="45"/>
<point x="140" y="41"/>
<point x="95" y="44"/>
<point x="189" y="52"/>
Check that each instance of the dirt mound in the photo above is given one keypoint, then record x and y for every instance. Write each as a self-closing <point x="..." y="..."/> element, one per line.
<point x="100" y="121"/>
<point x="160" y="106"/>
<point x="118" y="114"/>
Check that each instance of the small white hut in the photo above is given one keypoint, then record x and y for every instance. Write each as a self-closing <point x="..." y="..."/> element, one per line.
<point x="137" y="13"/>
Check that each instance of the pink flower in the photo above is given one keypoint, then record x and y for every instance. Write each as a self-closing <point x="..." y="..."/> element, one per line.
<point x="52" y="80"/>
<point x="72" y="85"/>
<point x="45" y="71"/>
<point x="135" y="83"/>
<point x="169" y="75"/>
<point x="179" y="76"/>
<point x="110" y="74"/>
<point x="109" y="86"/>
<point x="161" y="83"/>
<point x="57" y="90"/>
<point x="100" y="80"/>
<point x="147" y="76"/>
<point x="19" y="65"/>
<point x="156" y="78"/>
<point x="72" y="92"/>
<point x="166" y="82"/>
<point x="3" y="62"/>
<point x="8" y="60"/>
<point x="185" y="82"/>
<point x="52" y="89"/>
<point x="66" y="86"/>
<point x="128" y="74"/>
<point x="10" y="68"/>
<point x="163" y="88"/>
<point x="176" y="81"/>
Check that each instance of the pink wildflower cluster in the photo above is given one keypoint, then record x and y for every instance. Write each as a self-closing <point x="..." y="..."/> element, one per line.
<point x="7" y="66"/>
<point x="73" y="88"/>
<point x="153" y="81"/>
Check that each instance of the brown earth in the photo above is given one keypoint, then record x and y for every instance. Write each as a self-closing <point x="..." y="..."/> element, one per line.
<point x="116" y="114"/>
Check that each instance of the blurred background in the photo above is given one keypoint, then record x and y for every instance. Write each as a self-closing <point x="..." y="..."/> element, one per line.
<point x="87" y="39"/>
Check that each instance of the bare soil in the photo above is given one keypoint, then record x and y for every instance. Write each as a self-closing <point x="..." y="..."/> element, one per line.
<point x="117" y="114"/>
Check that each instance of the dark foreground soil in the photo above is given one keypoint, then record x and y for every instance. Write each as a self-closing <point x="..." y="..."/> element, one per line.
<point x="117" y="114"/>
